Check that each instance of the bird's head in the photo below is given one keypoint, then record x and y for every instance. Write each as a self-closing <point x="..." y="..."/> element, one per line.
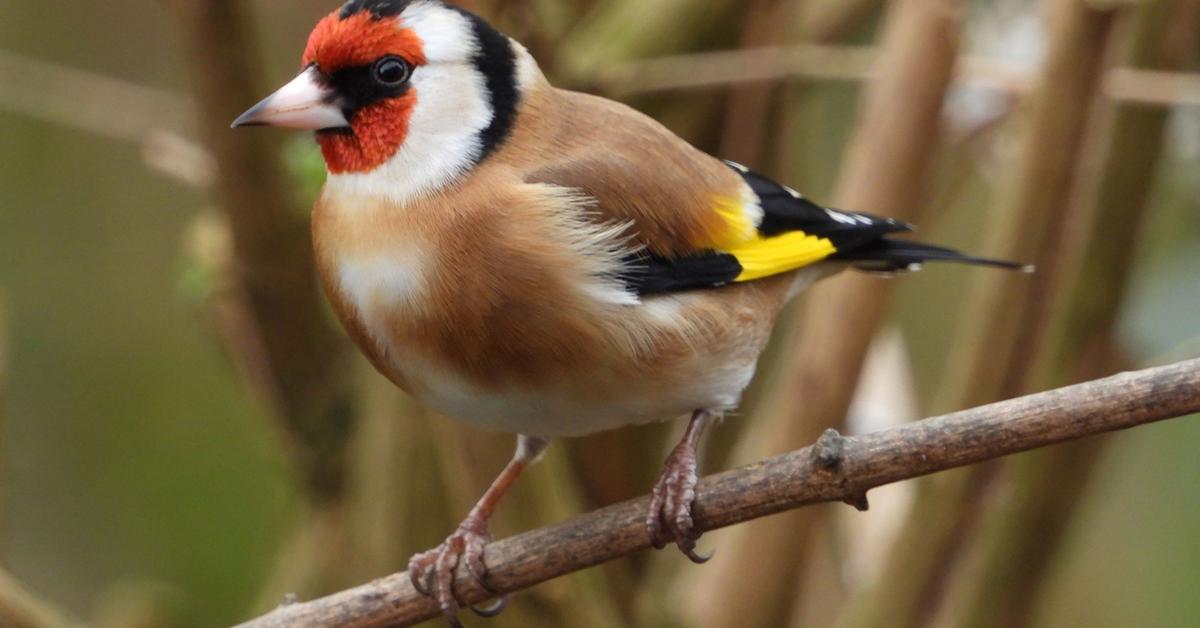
<point x="412" y="91"/>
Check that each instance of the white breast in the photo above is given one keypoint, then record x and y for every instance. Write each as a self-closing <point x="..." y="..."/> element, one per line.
<point x="380" y="285"/>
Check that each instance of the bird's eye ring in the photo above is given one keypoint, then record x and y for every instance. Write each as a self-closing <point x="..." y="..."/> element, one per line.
<point x="391" y="71"/>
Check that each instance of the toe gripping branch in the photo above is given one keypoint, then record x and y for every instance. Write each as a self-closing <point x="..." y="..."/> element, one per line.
<point x="433" y="572"/>
<point x="669" y="516"/>
<point x="828" y="454"/>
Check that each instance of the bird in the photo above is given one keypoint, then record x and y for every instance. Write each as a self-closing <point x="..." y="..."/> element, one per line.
<point x="545" y="262"/>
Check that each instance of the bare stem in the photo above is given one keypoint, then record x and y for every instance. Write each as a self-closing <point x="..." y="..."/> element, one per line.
<point x="835" y="470"/>
<point x="3" y="417"/>
<point x="844" y="63"/>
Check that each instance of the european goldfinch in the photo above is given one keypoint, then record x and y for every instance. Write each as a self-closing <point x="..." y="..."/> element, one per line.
<point x="540" y="261"/>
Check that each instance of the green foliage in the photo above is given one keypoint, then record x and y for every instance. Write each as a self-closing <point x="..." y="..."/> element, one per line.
<point x="304" y="162"/>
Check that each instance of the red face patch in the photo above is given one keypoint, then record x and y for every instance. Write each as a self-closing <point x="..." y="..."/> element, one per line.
<point x="336" y="44"/>
<point x="379" y="129"/>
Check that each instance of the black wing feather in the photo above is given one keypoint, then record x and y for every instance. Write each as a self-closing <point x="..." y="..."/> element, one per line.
<point x="894" y="255"/>
<point x="785" y="210"/>
<point x="647" y="274"/>
<point x="860" y="239"/>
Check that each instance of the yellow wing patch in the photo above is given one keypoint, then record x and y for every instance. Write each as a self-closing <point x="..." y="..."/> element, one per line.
<point x="762" y="257"/>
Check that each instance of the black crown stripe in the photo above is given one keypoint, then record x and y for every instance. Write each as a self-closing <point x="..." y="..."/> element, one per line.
<point x="379" y="8"/>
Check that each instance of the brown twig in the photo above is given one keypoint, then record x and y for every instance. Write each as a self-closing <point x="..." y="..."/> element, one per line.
<point x="1154" y="87"/>
<point x="85" y="100"/>
<point x="836" y="469"/>
<point x="107" y="107"/>
<point x="826" y="62"/>
<point x="748" y="107"/>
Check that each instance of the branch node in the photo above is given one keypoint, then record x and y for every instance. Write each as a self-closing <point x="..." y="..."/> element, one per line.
<point x="859" y="501"/>
<point x="829" y="450"/>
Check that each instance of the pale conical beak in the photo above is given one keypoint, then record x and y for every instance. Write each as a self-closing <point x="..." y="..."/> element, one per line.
<point x="305" y="103"/>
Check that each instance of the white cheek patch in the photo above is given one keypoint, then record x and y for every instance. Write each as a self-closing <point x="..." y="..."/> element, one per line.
<point x="445" y="35"/>
<point x="528" y="71"/>
<point x="443" y="138"/>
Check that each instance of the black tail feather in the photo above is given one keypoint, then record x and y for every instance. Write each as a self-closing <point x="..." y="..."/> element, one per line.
<point x="887" y="255"/>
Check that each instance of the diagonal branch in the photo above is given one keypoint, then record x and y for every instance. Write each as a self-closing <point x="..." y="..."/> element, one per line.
<point x="835" y="469"/>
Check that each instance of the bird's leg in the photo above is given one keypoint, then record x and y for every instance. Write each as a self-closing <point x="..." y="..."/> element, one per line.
<point x="670" y="513"/>
<point x="432" y="572"/>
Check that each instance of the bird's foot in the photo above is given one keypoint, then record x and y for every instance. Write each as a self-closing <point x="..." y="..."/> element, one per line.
<point x="432" y="572"/>
<point x="670" y="513"/>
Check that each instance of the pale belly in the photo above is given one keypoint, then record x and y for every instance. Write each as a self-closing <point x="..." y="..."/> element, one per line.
<point x="592" y="394"/>
<point x="701" y="354"/>
<point x="569" y="406"/>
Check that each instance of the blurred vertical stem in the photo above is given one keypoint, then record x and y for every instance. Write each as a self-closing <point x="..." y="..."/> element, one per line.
<point x="748" y="108"/>
<point x="296" y="354"/>
<point x="752" y="580"/>
<point x="397" y="507"/>
<point x="3" y="423"/>
<point x="1120" y="160"/>
<point x="1006" y="317"/>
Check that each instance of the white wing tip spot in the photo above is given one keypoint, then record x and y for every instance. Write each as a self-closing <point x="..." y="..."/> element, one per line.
<point x="840" y="217"/>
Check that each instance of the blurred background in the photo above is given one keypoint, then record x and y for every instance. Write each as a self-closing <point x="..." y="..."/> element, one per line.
<point x="185" y="436"/>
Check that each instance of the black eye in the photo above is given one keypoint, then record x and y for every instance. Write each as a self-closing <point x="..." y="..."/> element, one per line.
<point x="390" y="71"/>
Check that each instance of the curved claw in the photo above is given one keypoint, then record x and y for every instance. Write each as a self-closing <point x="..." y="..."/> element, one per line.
<point x="495" y="609"/>
<point x="420" y="576"/>
<point x="699" y="559"/>
<point x="433" y="573"/>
